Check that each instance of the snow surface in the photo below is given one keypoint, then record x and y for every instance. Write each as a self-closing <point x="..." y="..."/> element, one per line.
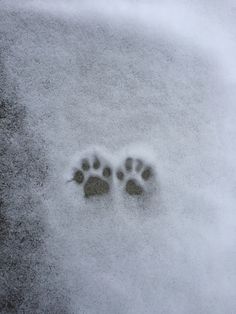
<point x="153" y="77"/>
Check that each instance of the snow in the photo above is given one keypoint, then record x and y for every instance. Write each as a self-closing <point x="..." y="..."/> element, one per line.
<point x="143" y="78"/>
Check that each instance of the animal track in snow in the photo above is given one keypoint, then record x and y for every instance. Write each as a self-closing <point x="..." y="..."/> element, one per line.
<point x="136" y="176"/>
<point x="94" y="174"/>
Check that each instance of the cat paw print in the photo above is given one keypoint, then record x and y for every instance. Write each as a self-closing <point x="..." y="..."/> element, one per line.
<point x="94" y="174"/>
<point x="136" y="176"/>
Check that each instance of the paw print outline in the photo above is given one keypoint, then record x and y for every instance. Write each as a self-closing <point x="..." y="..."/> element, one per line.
<point x="94" y="174"/>
<point x="135" y="174"/>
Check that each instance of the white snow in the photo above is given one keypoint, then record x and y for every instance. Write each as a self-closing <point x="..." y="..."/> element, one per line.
<point x="157" y="78"/>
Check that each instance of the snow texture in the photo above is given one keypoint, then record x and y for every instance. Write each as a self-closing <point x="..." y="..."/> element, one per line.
<point x="138" y="86"/>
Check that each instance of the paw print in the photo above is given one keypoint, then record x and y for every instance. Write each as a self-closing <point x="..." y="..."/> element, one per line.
<point x="94" y="175"/>
<point x="136" y="176"/>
